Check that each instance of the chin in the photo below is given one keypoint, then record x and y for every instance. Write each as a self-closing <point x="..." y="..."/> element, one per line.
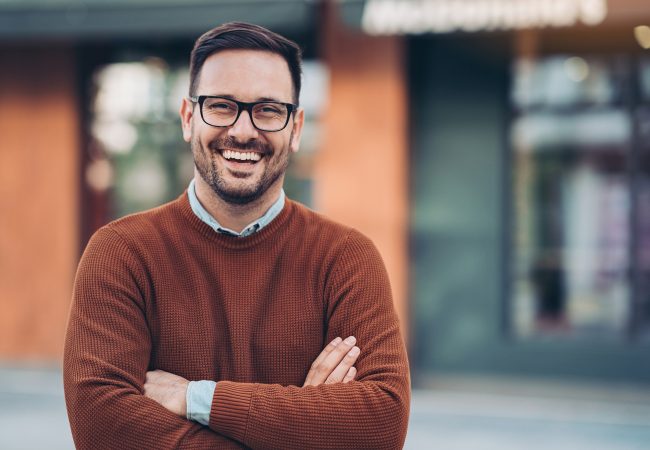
<point x="239" y="196"/>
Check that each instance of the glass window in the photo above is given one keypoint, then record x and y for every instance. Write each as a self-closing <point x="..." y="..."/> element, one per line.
<point x="643" y="215"/>
<point x="139" y="158"/>
<point x="644" y="78"/>
<point x="572" y="138"/>
<point x="565" y="81"/>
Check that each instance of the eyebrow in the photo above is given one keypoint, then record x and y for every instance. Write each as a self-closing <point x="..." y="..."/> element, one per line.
<point x="258" y="99"/>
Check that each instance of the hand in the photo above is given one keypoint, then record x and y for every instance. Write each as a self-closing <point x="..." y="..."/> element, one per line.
<point x="167" y="389"/>
<point x="335" y="364"/>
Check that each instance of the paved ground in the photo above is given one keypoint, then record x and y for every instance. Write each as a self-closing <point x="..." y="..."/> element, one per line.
<point x="452" y="416"/>
<point x="503" y="416"/>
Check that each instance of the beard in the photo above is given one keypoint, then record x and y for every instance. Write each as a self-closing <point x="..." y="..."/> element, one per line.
<point x="238" y="193"/>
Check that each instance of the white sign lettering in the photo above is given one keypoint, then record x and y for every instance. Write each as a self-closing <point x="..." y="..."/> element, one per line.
<point x="443" y="16"/>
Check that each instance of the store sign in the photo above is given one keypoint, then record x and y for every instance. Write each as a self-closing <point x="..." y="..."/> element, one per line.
<point x="443" y="16"/>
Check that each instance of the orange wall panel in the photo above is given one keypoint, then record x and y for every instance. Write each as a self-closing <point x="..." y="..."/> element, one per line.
<point x="361" y="171"/>
<point x="39" y="142"/>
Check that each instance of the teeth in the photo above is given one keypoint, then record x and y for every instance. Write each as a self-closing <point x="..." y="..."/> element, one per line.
<point x="247" y="156"/>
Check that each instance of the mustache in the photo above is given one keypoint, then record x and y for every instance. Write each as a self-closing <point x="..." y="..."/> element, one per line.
<point x="232" y="144"/>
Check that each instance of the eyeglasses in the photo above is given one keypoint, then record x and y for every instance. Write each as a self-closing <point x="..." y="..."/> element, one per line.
<point x="224" y="112"/>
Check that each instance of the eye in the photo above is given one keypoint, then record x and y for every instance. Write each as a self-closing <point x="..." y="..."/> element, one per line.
<point x="221" y="106"/>
<point x="269" y="108"/>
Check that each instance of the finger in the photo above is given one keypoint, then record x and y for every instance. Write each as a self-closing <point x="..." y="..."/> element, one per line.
<point x="331" y="361"/>
<point x="344" y="366"/>
<point x="326" y="351"/>
<point x="352" y="372"/>
<point x="320" y="358"/>
<point x="324" y="368"/>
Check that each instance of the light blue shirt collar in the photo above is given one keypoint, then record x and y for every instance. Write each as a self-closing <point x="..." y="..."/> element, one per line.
<point x="253" y="227"/>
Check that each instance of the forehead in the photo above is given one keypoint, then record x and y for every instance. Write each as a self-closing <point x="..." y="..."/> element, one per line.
<point x="247" y="75"/>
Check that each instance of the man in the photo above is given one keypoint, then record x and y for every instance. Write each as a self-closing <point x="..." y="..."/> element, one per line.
<point x="205" y="323"/>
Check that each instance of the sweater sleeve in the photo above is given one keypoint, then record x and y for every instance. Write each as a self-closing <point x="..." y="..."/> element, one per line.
<point x="370" y="412"/>
<point x="106" y="356"/>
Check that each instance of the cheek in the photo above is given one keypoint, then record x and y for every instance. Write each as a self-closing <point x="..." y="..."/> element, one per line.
<point x="283" y="143"/>
<point x="206" y="136"/>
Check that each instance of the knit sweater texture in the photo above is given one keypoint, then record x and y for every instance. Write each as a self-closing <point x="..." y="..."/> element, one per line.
<point x="161" y="290"/>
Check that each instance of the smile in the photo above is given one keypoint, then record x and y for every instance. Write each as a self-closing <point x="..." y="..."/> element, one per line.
<point x="231" y="155"/>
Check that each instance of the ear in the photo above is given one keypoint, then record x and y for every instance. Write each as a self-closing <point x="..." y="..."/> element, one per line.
<point x="186" y="112"/>
<point x="298" y="122"/>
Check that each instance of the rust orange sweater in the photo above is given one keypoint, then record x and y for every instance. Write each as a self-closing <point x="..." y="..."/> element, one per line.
<point x="162" y="290"/>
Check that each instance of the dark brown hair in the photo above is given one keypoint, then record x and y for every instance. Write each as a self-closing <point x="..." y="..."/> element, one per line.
<point x="245" y="36"/>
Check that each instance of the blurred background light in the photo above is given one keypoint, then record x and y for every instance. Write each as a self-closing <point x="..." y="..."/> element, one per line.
<point x="145" y="181"/>
<point x="117" y="136"/>
<point x="642" y="34"/>
<point x="99" y="175"/>
<point x="577" y="68"/>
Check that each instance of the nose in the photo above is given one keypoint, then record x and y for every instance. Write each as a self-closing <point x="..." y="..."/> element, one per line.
<point x="243" y="130"/>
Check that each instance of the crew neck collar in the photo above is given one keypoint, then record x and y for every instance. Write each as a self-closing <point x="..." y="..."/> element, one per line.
<point x="249" y="229"/>
<point x="268" y="232"/>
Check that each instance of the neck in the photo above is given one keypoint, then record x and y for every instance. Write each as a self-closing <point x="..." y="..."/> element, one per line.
<point x="233" y="216"/>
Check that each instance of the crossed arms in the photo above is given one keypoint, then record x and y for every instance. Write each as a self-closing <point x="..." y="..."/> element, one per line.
<point x="335" y="364"/>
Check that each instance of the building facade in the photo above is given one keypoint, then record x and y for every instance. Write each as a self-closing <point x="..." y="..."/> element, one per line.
<point x="496" y="154"/>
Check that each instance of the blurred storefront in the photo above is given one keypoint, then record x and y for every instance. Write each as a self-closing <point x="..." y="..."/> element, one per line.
<point x="529" y="179"/>
<point x="498" y="153"/>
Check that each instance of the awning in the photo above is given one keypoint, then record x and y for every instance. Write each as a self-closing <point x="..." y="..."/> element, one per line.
<point x="35" y="19"/>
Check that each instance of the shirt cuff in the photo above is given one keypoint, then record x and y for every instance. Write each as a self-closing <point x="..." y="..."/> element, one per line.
<point x="199" y="400"/>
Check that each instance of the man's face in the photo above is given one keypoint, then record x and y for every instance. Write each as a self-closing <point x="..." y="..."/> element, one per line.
<point x="247" y="76"/>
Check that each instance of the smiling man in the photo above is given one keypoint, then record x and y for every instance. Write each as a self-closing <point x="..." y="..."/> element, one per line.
<point x="217" y="320"/>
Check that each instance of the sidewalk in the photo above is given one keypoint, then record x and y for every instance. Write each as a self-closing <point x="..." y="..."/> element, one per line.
<point x="510" y="415"/>
<point x="452" y="416"/>
<point x="32" y="410"/>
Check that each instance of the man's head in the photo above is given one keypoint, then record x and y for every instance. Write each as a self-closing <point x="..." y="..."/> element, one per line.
<point x="245" y="36"/>
<point x="242" y="118"/>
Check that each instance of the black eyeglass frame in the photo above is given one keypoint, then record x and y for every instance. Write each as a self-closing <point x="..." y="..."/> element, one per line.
<point x="244" y="106"/>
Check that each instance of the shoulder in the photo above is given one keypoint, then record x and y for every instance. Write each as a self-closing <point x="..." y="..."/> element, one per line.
<point x="143" y="229"/>
<point x="314" y="225"/>
<point x="338" y="237"/>
<point x="349" y="262"/>
<point x="167" y="216"/>
<point x="308" y="218"/>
